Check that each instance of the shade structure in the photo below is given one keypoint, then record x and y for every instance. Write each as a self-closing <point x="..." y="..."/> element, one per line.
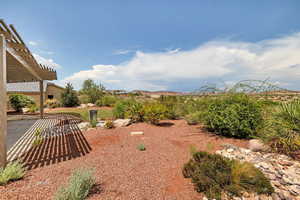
<point x="17" y="64"/>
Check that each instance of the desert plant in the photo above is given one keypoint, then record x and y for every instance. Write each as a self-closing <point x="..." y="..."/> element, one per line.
<point x="78" y="187"/>
<point x="19" y="101"/>
<point x="84" y="99"/>
<point x="93" y="123"/>
<point x="107" y="100"/>
<point x="109" y="124"/>
<point x="141" y="147"/>
<point x="235" y="115"/>
<point x="52" y="103"/>
<point x="12" y="171"/>
<point x="32" y="108"/>
<point x="92" y="90"/>
<point x="135" y="111"/>
<point x="154" y="112"/>
<point x="38" y="138"/>
<point x="214" y="174"/>
<point x="69" y="96"/>
<point x="119" y="110"/>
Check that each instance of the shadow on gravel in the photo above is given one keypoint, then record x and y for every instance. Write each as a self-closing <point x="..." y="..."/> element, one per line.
<point x="165" y="124"/>
<point x="62" y="142"/>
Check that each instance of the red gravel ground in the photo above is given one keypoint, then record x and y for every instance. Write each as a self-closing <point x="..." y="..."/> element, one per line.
<point x="123" y="172"/>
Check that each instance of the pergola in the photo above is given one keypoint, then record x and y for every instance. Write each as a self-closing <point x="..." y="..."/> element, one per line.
<point x="17" y="64"/>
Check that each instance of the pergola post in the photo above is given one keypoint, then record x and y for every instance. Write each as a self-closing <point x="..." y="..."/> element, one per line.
<point x="3" y="108"/>
<point x="41" y="99"/>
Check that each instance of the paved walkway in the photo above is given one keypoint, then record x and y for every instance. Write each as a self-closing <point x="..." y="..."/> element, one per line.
<point x="15" y="129"/>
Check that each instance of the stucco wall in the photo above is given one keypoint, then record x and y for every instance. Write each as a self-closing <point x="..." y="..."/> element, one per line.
<point x="55" y="91"/>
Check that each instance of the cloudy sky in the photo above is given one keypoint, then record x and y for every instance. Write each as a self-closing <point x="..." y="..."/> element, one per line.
<point x="160" y="44"/>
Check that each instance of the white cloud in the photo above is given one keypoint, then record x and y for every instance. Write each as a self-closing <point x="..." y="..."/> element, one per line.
<point x="33" y="43"/>
<point x="47" y="62"/>
<point x="228" y="60"/>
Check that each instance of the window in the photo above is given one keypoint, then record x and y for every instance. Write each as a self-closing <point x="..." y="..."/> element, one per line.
<point x="50" y="96"/>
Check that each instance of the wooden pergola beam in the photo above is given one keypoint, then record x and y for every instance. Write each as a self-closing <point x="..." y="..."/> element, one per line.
<point x="3" y="114"/>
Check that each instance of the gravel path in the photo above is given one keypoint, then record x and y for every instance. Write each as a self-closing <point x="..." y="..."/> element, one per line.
<point x="122" y="171"/>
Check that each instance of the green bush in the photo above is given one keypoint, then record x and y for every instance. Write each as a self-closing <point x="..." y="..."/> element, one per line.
<point x="69" y="97"/>
<point x="194" y="118"/>
<point x="19" y="101"/>
<point x="107" y="101"/>
<point x="78" y="187"/>
<point x="13" y="171"/>
<point x="135" y="111"/>
<point x="32" y="108"/>
<point x="52" y="103"/>
<point x="92" y="90"/>
<point x="84" y="99"/>
<point x="154" y="112"/>
<point x="119" y="110"/>
<point x="235" y="115"/>
<point x="214" y="174"/>
<point x="141" y="147"/>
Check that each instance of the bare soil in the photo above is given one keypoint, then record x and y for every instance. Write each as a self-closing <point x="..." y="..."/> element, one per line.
<point x="122" y="171"/>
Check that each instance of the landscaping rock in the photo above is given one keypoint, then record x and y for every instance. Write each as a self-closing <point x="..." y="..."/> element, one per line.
<point x="137" y="133"/>
<point x="100" y="123"/>
<point x="121" y="122"/>
<point x="90" y="105"/>
<point x="82" y="106"/>
<point x="83" y="126"/>
<point x="25" y="110"/>
<point x="257" y="145"/>
<point x="282" y="171"/>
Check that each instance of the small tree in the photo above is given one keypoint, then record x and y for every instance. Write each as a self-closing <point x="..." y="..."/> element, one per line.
<point x="92" y="90"/>
<point x="69" y="97"/>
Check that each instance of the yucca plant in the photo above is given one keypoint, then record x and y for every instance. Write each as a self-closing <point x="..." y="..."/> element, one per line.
<point x="290" y="112"/>
<point x="13" y="171"/>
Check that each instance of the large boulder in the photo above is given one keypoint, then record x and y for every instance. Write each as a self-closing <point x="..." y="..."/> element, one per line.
<point x="90" y="105"/>
<point x="100" y="123"/>
<point x="257" y="145"/>
<point x="121" y="122"/>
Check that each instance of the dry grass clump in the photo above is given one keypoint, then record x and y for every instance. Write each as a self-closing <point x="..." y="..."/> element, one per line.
<point x="215" y="175"/>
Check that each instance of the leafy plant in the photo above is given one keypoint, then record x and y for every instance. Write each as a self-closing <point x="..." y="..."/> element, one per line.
<point x="141" y="147"/>
<point x="69" y="97"/>
<point x="84" y="99"/>
<point x="109" y="124"/>
<point x="107" y="100"/>
<point x="92" y="90"/>
<point x="78" y="187"/>
<point x="13" y="171"/>
<point x="19" y="101"/>
<point x="214" y="174"/>
<point x="235" y="115"/>
<point x="52" y="103"/>
<point x="135" y="111"/>
<point x="38" y="138"/>
<point x="154" y="112"/>
<point x="93" y="123"/>
<point x="119" y="110"/>
<point x="32" y="108"/>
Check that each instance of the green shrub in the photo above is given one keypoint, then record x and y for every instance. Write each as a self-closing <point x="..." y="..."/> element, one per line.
<point x="154" y="112"/>
<point x="194" y="118"/>
<point x="214" y="174"/>
<point x="69" y="97"/>
<point x="109" y="124"/>
<point x="84" y="99"/>
<point x="92" y="90"/>
<point x="107" y="101"/>
<point x="119" y="110"/>
<point x="52" y="103"/>
<point x="13" y="171"/>
<point x="135" y="111"/>
<point x="32" y="108"/>
<point x="19" y="101"/>
<point x="235" y="115"/>
<point x="141" y="147"/>
<point x="38" y="138"/>
<point x="78" y="187"/>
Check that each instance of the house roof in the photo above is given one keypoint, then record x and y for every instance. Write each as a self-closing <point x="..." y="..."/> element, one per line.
<point x="28" y="87"/>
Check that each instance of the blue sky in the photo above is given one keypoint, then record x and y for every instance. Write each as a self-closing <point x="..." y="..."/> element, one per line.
<point x="162" y="45"/>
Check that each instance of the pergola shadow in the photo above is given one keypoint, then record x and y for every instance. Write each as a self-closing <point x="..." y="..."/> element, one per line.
<point x="61" y="142"/>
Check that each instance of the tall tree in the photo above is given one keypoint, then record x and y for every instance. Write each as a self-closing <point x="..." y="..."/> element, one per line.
<point x="69" y="97"/>
<point x="92" y="90"/>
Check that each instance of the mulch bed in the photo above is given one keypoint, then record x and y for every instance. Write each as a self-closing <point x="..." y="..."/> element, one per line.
<point x="124" y="172"/>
